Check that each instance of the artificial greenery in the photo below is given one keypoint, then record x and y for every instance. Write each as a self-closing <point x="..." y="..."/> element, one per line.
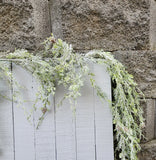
<point x="57" y="64"/>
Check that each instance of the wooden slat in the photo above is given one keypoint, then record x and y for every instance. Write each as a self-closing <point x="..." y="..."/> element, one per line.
<point x="65" y="129"/>
<point x="87" y="135"/>
<point x="6" y="125"/>
<point x="103" y="116"/>
<point x="24" y="132"/>
<point x="45" y="134"/>
<point x="85" y="124"/>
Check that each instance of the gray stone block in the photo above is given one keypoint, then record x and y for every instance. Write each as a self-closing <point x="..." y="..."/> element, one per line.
<point x="148" y="151"/>
<point x="149" y="114"/>
<point x="153" y="25"/>
<point x="16" y="25"/>
<point x="23" y="23"/>
<point x="142" y="65"/>
<point x="56" y="18"/>
<point x="111" y="25"/>
<point x="41" y="19"/>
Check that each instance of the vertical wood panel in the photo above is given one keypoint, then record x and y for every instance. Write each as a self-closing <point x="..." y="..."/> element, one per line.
<point x="88" y="135"/>
<point x="103" y="116"/>
<point x="85" y="124"/>
<point x="6" y="125"/>
<point x="45" y="134"/>
<point x="24" y="132"/>
<point x="65" y="129"/>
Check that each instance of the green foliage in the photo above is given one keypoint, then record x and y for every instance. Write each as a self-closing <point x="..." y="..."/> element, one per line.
<point x="57" y="64"/>
<point x="127" y="113"/>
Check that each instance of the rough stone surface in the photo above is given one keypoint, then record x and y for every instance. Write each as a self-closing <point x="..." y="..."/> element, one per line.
<point x="16" y="26"/>
<point x="149" y="107"/>
<point x="56" y="18"/>
<point x="142" y="65"/>
<point x="41" y="19"/>
<point x="153" y="25"/>
<point x="148" y="151"/>
<point x="23" y="23"/>
<point x="112" y="25"/>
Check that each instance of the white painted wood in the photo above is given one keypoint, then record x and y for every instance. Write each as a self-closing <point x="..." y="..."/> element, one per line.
<point x="24" y="131"/>
<point x="6" y="123"/>
<point x="45" y="134"/>
<point x="87" y="135"/>
<point x="103" y="116"/>
<point x="65" y="129"/>
<point x="85" y="123"/>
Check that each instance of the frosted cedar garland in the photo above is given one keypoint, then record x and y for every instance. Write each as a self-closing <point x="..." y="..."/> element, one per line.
<point x="57" y="64"/>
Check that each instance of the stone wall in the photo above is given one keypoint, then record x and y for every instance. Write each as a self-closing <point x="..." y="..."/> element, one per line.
<point x="127" y="28"/>
<point x="23" y="23"/>
<point x="111" y="25"/>
<point x="16" y="28"/>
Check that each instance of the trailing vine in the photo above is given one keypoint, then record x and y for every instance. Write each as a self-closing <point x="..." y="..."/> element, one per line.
<point x="57" y="64"/>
